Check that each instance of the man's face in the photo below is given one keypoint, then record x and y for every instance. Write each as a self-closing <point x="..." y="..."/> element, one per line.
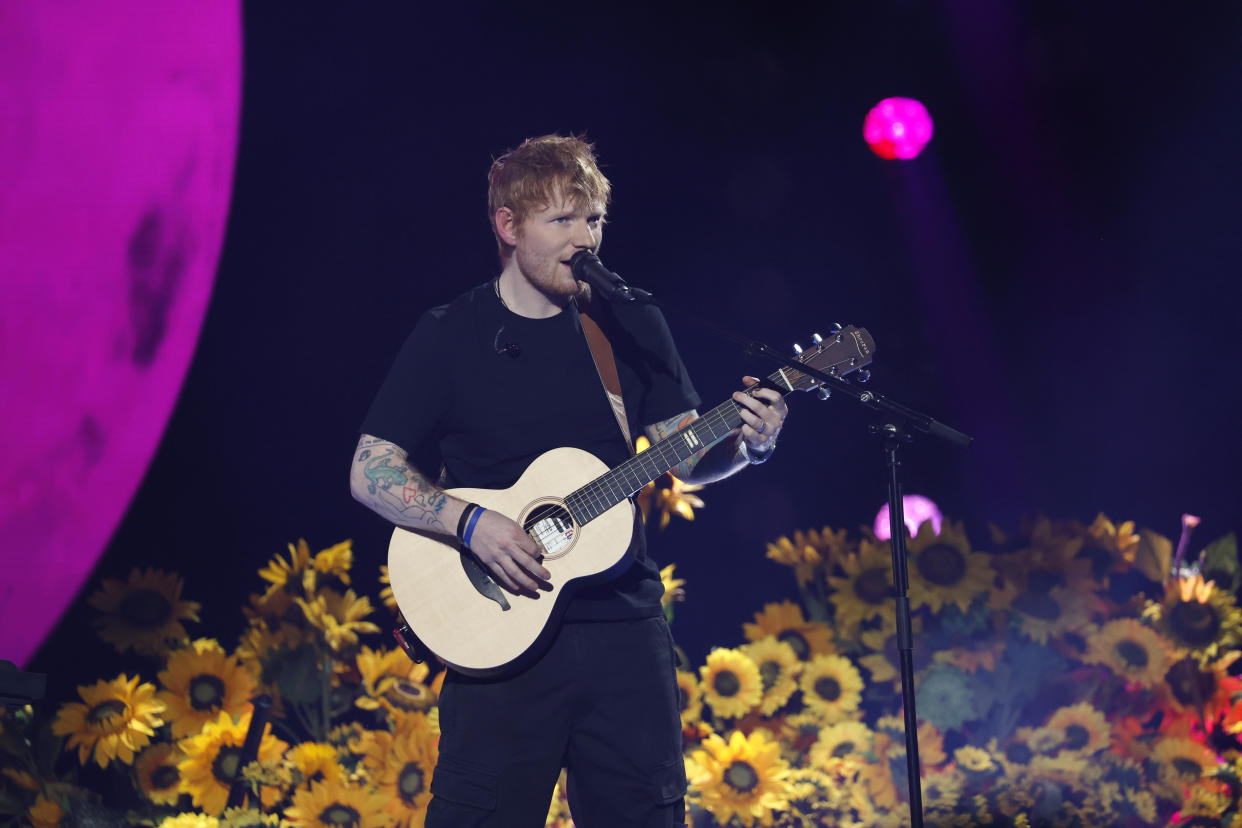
<point x="549" y="237"/>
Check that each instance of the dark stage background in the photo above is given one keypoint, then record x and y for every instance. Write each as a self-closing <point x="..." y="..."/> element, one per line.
<point x="1055" y="275"/>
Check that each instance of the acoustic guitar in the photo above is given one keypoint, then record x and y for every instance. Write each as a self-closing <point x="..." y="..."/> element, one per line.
<point x="581" y="515"/>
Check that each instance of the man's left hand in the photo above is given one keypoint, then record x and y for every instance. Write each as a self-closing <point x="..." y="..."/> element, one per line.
<point x="763" y="413"/>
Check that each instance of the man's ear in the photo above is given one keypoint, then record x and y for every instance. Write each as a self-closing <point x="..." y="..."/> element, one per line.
<point x="506" y="226"/>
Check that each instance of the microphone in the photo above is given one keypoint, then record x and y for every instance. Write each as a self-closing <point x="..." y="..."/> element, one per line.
<point x="587" y="267"/>
<point x="510" y="349"/>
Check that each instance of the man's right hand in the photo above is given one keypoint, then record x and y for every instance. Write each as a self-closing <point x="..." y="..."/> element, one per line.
<point x="511" y="554"/>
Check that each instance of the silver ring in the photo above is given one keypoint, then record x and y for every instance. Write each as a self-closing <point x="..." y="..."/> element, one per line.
<point x="763" y="427"/>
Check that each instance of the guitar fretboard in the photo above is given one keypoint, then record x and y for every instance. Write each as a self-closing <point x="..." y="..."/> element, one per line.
<point x="607" y="490"/>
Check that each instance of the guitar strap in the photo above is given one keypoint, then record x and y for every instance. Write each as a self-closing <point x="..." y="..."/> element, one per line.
<point x="606" y="365"/>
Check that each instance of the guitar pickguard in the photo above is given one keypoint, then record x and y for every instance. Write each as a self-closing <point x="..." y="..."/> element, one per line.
<point x="481" y="580"/>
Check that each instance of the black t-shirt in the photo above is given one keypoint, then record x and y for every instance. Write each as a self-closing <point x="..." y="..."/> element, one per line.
<point x="457" y="397"/>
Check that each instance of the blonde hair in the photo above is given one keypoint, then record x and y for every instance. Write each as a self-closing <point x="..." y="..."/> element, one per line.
<point x="540" y="171"/>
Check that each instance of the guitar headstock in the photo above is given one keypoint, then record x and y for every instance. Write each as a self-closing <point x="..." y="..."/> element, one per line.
<point x="842" y="352"/>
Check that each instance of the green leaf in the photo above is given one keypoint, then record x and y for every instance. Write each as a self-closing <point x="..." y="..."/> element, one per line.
<point x="1220" y="563"/>
<point x="296" y="673"/>
<point x="1154" y="556"/>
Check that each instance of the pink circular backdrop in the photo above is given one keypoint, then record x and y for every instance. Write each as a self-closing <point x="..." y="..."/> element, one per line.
<point x="118" y="132"/>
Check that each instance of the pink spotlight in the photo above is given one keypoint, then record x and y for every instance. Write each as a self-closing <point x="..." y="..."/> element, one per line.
<point x="917" y="509"/>
<point x="897" y="128"/>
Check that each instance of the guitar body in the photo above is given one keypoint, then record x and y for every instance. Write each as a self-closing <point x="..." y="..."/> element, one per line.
<point x="461" y="614"/>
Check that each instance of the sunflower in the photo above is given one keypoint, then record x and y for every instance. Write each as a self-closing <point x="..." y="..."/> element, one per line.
<point x="944" y="570"/>
<point x="333" y="803"/>
<point x="1131" y="650"/>
<point x="413" y="730"/>
<point x="832" y="687"/>
<point x="674" y="588"/>
<point x="744" y="777"/>
<point x="339" y="617"/>
<point x="1197" y="617"/>
<point x="668" y="493"/>
<point x="865" y="589"/>
<point x="200" y="681"/>
<point x="839" y="743"/>
<point x="785" y="622"/>
<point x="976" y="761"/>
<point x="1084" y="729"/>
<point x="942" y="790"/>
<point x="778" y="667"/>
<point x="406" y="780"/>
<point x="809" y="788"/>
<point x="891" y="734"/>
<point x="294" y="576"/>
<point x="335" y="561"/>
<point x="118" y="718"/>
<point x="1203" y="689"/>
<point x="1016" y="753"/>
<point x="1182" y="762"/>
<point x="314" y="760"/>
<point x="212" y="758"/>
<point x="189" y="820"/>
<point x="45" y="813"/>
<point x="248" y="818"/>
<point x="386" y="597"/>
<point x="390" y="675"/>
<point x="144" y="613"/>
<point x="731" y="683"/>
<point x="1109" y="546"/>
<point x="944" y="697"/>
<point x="158" y="777"/>
<point x="690" y="697"/>
<point x="1051" y="613"/>
<point x="809" y="551"/>
<point x="883" y="653"/>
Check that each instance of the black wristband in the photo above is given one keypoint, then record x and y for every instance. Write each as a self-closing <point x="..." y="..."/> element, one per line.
<point x="461" y="521"/>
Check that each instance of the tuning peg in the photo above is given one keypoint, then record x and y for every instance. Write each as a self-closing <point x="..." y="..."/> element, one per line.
<point x="816" y="338"/>
<point x="836" y="327"/>
<point x="823" y="393"/>
<point x="797" y="348"/>
<point x="862" y="374"/>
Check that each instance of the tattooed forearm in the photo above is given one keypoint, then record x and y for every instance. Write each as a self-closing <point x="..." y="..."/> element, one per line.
<point x="382" y="479"/>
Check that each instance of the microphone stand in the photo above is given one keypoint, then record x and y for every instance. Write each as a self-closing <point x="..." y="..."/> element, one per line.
<point x="895" y="429"/>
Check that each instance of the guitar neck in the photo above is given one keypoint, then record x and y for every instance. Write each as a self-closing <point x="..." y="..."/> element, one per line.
<point x="607" y="490"/>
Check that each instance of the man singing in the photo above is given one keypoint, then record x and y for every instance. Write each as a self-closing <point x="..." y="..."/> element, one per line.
<point x="486" y="384"/>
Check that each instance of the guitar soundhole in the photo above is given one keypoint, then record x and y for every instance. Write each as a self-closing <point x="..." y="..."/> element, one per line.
<point x="552" y="527"/>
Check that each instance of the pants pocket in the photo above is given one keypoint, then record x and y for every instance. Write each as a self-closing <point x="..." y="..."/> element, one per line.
<point x="464" y="783"/>
<point x="669" y="781"/>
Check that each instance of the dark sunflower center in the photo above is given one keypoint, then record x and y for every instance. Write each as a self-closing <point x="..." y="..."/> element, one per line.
<point x="406" y="694"/>
<point x="770" y="672"/>
<point x="1019" y="753"/>
<point x="206" y="692"/>
<point x="1132" y="653"/>
<point x="1037" y="605"/>
<point x="145" y="608"/>
<point x="102" y="712"/>
<point x="339" y="813"/>
<point x="726" y="683"/>
<point x="1196" y="624"/>
<point x="1076" y="737"/>
<point x="828" y="688"/>
<point x="843" y="750"/>
<point x="1187" y="768"/>
<point x="165" y="777"/>
<point x="224" y="768"/>
<point x="1042" y="580"/>
<point x="1190" y="685"/>
<point x="410" y="782"/>
<point x="794" y="639"/>
<point x="741" y="777"/>
<point x="871" y="586"/>
<point x="941" y="564"/>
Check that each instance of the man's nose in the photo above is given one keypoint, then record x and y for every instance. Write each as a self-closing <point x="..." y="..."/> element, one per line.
<point x="584" y="236"/>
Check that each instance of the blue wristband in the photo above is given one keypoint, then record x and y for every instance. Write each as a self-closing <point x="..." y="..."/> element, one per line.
<point x="474" y="518"/>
